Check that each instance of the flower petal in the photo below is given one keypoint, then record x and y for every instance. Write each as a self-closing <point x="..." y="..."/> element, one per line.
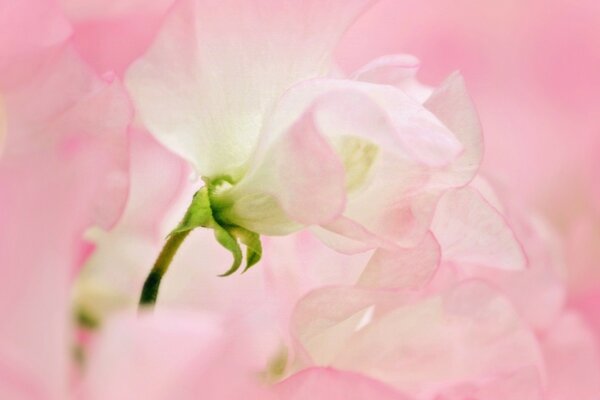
<point x="381" y="113"/>
<point x="2" y="124"/>
<point x="310" y="175"/>
<point x="300" y="181"/>
<point x="452" y="104"/>
<point x="398" y="70"/>
<point x="470" y="230"/>
<point x="571" y="343"/>
<point x="402" y="269"/>
<point x="374" y="131"/>
<point x="182" y="355"/>
<point x="100" y="29"/>
<point x="420" y="346"/>
<point x="66" y="148"/>
<point x="217" y="66"/>
<point x="22" y="54"/>
<point x="331" y="384"/>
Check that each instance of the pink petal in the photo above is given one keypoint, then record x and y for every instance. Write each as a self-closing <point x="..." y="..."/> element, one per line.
<point x="31" y="31"/>
<point x="181" y="355"/>
<point x="64" y="169"/>
<point x="539" y="291"/>
<point x="522" y="385"/>
<point x="311" y="189"/>
<point x="573" y="359"/>
<point x="467" y="333"/>
<point x="157" y="179"/>
<point x="110" y="35"/>
<point x="402" y="269"/>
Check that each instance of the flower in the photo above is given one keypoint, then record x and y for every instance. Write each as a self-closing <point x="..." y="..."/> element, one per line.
<point x="250" y="98"/>
<point x="440" y="308"/>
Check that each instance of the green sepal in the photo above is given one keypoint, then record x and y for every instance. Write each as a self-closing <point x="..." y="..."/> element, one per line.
<point x="253" y="245"/>
<point x="200" y="214"/>
<point x="230" y="243"/>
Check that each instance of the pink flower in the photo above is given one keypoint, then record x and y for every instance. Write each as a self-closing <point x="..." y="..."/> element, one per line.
<point x="459" y="294"/>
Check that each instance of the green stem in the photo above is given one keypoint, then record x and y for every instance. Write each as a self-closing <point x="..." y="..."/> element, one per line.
<point x="161" y="265"/>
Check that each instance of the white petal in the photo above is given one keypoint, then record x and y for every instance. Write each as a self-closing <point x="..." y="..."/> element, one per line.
<point x="372" y="130"/>
<point x="398" y="70"/>
<point x="299" y="181"/>
<point x="453" y="106"/>
<point x="217" y="66"/>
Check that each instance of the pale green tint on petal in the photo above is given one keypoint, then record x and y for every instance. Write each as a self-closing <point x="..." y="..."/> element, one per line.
<point x="300" y="181"/>
<point x="217" y="67"/>
<point x="260" y="212"/>
<point x="358" y="156"/>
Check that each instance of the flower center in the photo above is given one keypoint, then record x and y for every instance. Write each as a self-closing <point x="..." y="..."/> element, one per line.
<point x="358" y="156"/>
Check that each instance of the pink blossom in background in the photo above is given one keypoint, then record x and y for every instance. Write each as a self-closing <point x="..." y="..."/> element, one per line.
<point x="425" y="234"/>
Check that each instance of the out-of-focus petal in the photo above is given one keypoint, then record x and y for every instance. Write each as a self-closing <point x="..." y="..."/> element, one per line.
<point x="2" y="124"/>
<point x="468" y="333"/>
<point x="538" y="292"/>
<point x="65" y="108"/>
<point x="30" y="32"/>
<point x="111" y="34"/>
<point x="573" y="360"/>
<point x="99" y="9"/>
<point x="181" y="355"/>
<point x="157" y="178"/>
<point x="331" y="384"/>
<point x="325" y="320"/>
<point x="588" y="304"/>
<point x="524" y="384"/>
<point x="64" y="165"/>
<point x="471" y="231"/>
<point x="216" y="67"/>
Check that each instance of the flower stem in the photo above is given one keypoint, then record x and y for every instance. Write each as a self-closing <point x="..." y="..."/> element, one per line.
<point x="161" y="265"/>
